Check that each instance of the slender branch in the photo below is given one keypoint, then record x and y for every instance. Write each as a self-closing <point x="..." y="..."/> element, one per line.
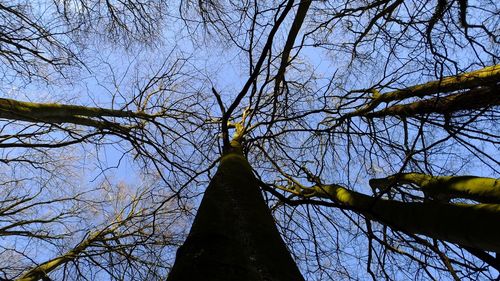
<point x="256" y="71"/>
<point x="41" y="271"/>
<point x="292" y="35"/>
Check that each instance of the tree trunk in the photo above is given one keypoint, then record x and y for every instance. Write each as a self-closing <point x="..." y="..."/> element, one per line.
<point x="233" y="236"/>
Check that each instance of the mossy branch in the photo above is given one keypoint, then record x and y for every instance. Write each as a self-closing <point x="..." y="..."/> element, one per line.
<point x="483" y="77"/>
<point x="480" y="189"/>
<point x="478" y="98"/>
<point x="41" y="271"/>
<point x="64" y="113"/>
<point x="474" y="226"/>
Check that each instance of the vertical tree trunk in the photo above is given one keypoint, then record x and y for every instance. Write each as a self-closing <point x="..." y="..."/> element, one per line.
<point x="233" y="236"/>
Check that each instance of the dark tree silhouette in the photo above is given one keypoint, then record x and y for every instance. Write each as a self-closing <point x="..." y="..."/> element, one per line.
<point x="321" y="140"/>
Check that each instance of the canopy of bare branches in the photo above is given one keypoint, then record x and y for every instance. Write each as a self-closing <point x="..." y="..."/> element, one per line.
<point x="372" y="128"/>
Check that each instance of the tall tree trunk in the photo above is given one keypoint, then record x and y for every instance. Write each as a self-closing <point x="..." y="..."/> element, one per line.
<point x="233" y="236"/>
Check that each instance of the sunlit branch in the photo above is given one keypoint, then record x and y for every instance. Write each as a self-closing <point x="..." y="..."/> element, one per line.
<point x="464" y="224"/>
<point x="486" y="190"/>
<point x="482" y="97"/>
<point x="478" y="78"/>
<point x="64" y="113"/>
<point x="41" y="271"/>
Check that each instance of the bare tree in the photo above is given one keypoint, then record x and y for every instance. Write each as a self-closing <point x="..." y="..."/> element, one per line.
<point x="370" y="128"/>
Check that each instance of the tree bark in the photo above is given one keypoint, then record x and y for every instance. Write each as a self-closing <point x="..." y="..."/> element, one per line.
<point x="480" y="189"/>
<point x="474" y="226"/>
<point x="233" y="236"/>
<point x="65" y="113"/>
<point x="479" y="98"/>
<point x="488" y="76"/>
